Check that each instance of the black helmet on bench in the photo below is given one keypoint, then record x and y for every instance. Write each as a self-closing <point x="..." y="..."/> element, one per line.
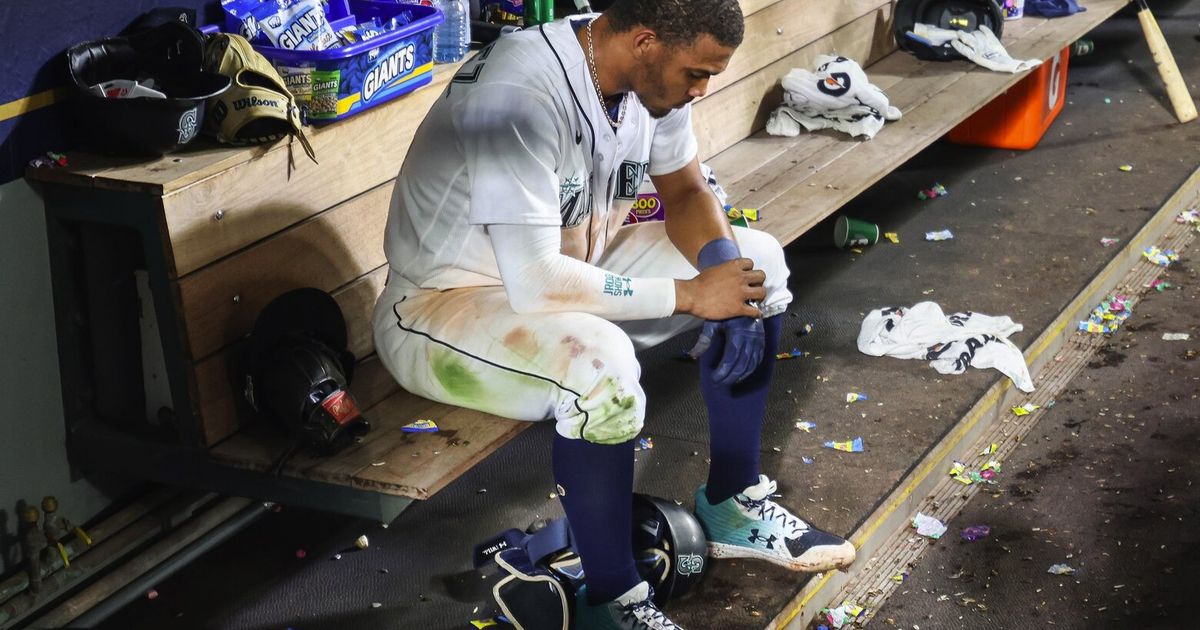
<point x="166" y="58"/>
<point x="297" y="371"/>
<point x="956" y="15"/>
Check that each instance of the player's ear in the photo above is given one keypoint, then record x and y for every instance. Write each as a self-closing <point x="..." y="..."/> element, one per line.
<point x="646" y="44"/>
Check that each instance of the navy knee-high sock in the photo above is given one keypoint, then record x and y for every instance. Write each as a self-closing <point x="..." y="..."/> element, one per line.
<point x="735" y="417"/>
<point x="598" y="498"/>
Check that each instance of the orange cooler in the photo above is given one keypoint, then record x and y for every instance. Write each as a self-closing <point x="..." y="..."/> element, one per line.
<point x="1018" y="118"/>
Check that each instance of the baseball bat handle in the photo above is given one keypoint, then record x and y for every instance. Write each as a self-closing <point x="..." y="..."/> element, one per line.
<point x="1177" y="91"/>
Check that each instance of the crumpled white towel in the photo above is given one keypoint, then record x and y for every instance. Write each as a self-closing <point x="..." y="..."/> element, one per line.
<point x="837" y="95"/>
<point x="950" y="343"/>
<point x="981" y="46"/>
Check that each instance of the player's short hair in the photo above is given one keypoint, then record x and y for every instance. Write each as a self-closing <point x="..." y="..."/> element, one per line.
<point x="680" y="22"/>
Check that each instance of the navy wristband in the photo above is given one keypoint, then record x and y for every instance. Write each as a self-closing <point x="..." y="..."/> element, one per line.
<point x="716" y="252"/>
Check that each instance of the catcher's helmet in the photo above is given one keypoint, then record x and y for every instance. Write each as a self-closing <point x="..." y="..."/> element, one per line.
<point x="958" y="15"/>
<point x="297" y="370"/>
<point x="169" y="58"/>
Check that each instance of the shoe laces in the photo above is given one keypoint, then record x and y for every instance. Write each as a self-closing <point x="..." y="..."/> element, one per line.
<point x="647" y="615"/>
<point x="768" y="510"/>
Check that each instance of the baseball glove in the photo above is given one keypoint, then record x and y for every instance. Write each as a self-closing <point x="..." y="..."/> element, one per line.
<point x="257" y="107"/>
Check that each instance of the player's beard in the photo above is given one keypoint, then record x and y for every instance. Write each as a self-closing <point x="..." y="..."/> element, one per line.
<point x="653" y="93"/>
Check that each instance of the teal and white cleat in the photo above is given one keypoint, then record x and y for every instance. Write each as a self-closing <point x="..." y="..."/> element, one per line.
<point x="635" y="610"/>
<point x="751" y="525"/>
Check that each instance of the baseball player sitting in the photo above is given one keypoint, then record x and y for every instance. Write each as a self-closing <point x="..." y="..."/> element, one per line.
<point x="514" y="289"/>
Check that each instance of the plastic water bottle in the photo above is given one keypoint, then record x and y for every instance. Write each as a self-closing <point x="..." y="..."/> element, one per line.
<point x="452" y="38"/>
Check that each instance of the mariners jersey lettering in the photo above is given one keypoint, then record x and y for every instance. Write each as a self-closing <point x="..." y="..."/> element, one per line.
<point x="520" y="138"/>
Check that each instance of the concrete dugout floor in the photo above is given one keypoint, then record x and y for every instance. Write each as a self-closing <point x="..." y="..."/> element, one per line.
<point x="1027" y="229"/>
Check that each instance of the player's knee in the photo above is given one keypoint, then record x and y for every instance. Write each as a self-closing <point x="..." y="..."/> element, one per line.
<point x="608" y="407"/>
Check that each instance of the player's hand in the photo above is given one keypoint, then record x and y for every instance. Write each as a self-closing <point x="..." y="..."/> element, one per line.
<point x="723" y="291"/>
<point x="743" y="340"/>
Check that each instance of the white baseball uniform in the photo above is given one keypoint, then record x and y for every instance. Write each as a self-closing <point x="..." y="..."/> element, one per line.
<point x="520" y="139"/>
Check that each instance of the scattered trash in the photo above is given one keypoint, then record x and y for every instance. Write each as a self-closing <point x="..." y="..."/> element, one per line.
<point x="840" y="616"/>
<point x="1060" y="569"/>
<point x="301" y="553"/>
<point x="849" y="446"/>
<point x="987" y="475"/>
<point x="361" y="542"/>
<point x="1107" y="101"/>
<point x="50" y="160"/>
<point x="900" y="577"/>
<point x="1176" y="336"/>
<point x="975" y="532"/>
<point x="420" y="426"/>
<point x="806" y="460"/>
<point x="928" y="526"/>
<point x="337" y="556"/>
<point x="1125" y="168"/>
<point x="1107" y="242"/>
<point x="1025" y="410"/>
<point x="893" y="237"/>
<point x="484" y="623"/>
<point x="152" y="594"/>
<point x="1191" y="217"/>
<point x="376" y="605"/>
<point x="991" y="466"/>
<point x="937" y="190"/>
<point x="988" y="450"/>
<point x="378" y="464"/>
<point x="1160" y="285"/>
<point x="855" y="397"/>
<point x="794" y="354"/>
<point x="940" y="235"/>
<point x="1108" y="316"/>
<point x="806" y="426"/>
<point x="1160" y="257"/>
<point x="645" y="444"/>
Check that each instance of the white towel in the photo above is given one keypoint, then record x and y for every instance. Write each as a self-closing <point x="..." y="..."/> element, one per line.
<point x="836" y="95"/>
<point x="950" y="343"/>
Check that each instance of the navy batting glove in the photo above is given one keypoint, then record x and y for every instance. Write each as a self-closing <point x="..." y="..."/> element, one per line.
<point x="744" y="340"/>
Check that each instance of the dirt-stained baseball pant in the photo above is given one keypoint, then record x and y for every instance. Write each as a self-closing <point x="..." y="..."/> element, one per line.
<point x="467" y="347"/>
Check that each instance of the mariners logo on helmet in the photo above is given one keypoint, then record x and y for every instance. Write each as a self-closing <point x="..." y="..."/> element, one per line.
<point x="690" y="564"/>
<point x="188" y="125"/>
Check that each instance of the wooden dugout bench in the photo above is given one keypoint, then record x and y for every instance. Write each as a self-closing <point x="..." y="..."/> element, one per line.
<point x="161" y="267"/>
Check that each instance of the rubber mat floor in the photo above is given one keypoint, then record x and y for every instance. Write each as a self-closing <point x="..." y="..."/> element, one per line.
<point x="1027" y="231"/>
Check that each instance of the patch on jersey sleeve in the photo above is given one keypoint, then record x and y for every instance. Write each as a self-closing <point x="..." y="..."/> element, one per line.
<point x="574" y="201"/>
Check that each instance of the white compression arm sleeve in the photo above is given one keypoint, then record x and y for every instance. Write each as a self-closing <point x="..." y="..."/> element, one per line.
<point x="538" y="278"/>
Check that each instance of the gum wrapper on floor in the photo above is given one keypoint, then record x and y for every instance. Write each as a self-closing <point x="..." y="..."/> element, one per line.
<point x="1160" y="257"/>
<point x="940" y="235"/>
<point x="1025" y="410"/>
<point x="849" y="446"/>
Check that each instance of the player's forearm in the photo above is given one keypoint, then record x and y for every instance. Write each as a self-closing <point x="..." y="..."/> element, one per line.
<point x="539" y="279"/>
<point x="694" y="220"/>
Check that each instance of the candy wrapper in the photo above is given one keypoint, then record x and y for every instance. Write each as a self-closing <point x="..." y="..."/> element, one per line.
<point x="855" y="397"/>
<point x="849" y="446"/>
<point x="940" y="235"/>
<point x="1160" y="257"/>
<point x="420" y="426"/>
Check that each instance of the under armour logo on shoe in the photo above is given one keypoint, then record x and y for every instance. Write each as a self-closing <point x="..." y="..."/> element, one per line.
<point x="768" y="541"/>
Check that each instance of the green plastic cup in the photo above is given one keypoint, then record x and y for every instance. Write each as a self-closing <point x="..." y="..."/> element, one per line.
<point x="849" y="232"/>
